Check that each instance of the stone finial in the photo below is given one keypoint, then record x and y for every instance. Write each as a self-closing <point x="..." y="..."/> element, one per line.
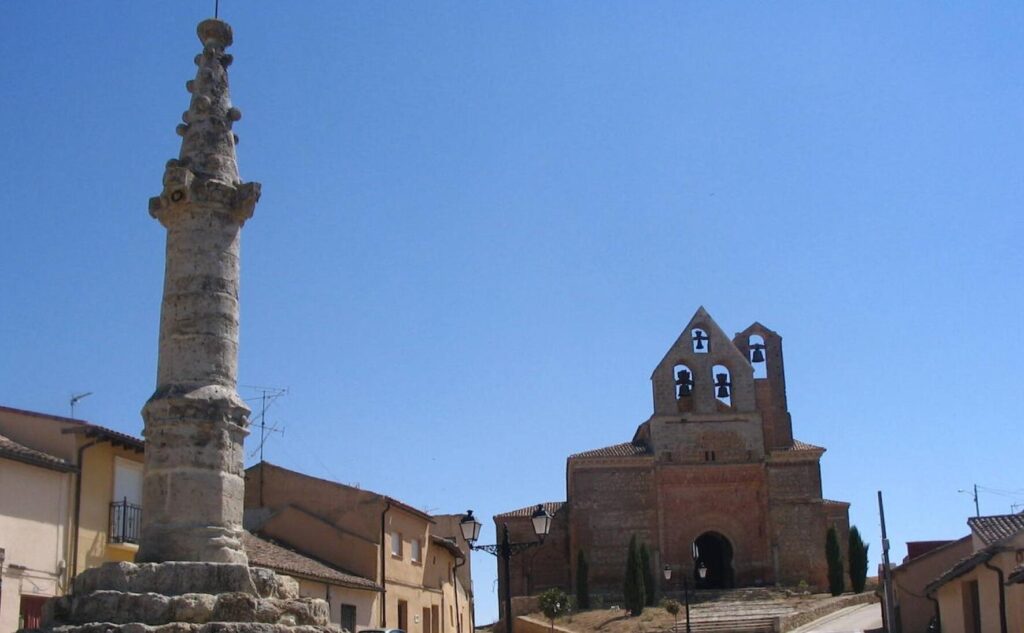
<point x="214" y="33"/>
<point x="206" y="169"/>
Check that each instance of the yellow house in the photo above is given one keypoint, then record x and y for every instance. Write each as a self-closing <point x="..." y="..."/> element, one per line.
<point x="418" y="562"/>
<point x="70" y="495"/>
<point x="981" y="593"/>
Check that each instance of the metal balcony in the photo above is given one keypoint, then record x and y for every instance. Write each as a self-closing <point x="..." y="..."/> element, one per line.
<point x="125" y="522"/>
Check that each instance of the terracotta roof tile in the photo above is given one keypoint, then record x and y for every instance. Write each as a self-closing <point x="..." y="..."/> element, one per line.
<point x="13" y="450"/>
<point x="86" y="428"/>
<point x="964" y="565"/>
<point x="263" y="553"/>
<point x="995" y="528"/>
<point x="552" y="508"/>
<point x="626" y="449"/>
<point x="804" y="446"/>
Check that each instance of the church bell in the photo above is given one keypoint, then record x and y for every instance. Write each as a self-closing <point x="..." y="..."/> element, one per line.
<point x="757" y="353"/>
<point x="723" y="384"/>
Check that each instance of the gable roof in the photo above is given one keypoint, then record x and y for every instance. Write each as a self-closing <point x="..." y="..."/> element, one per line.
<point x="21" y="453"/>
<point x="995" y="528"/>
<point x="701" y="319"/>
<point x="965" y="565"/>
<point x="804" y="446"/>
<point x="87" y="429"/>
<point x="266" y="553"/>
<point x="626" y="449"/>
<point x="394" y="502"/>
<point x="552" y="508"/>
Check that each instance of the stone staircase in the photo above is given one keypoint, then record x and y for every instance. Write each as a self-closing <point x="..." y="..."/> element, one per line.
<point x="751" y="610"/>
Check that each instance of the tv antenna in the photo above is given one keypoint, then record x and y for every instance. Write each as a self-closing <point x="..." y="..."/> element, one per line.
<point x="268" y="396"/>
<point x="74" y="400"/>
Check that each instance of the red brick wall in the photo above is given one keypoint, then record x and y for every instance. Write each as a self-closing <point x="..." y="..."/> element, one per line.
<point x="730" y="499"/>
<point x="608" y="505"/>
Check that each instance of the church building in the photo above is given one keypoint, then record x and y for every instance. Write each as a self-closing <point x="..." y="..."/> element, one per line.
<point x="713" y="482"/>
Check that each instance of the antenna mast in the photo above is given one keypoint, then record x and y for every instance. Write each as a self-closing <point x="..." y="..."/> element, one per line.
<point x="74" y="400"/>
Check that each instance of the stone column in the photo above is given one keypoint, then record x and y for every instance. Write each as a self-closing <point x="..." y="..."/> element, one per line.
<point x="195" y="421"/>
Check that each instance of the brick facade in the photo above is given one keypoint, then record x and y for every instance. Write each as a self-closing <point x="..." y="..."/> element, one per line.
<point x="716" y="464"/>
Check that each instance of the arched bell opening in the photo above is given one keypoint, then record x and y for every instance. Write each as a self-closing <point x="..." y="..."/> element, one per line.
<point x="714" y="553"/>
<point x="756" y="356"/>
<point x="722" y="384"/>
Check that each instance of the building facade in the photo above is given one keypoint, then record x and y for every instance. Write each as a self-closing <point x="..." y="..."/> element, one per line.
<point x="69" y="500"/>
<point x="420" y="563"/>
<point x="983" y="592"/>
<point x="713" y="479"/>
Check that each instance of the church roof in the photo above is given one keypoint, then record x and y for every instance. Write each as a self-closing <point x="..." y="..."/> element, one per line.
<point x="19" y="452"/>
<point x="995" y="528"/>
<point x="626" y="449"/>
<point x="551" y="507"/>
<point x="804" y="446"/>
<point x="264" y="553"/>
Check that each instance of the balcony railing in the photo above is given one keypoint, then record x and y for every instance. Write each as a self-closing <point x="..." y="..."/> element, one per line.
<point x="125" y="521"/>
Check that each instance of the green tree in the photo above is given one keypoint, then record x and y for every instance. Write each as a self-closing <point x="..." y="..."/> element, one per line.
<point x="633" y="586"/>
<point x="857" y="560"/>
<point x="582" y="581"/>
<point x="553" y="603"/>
<point x="645" y="565"/>
<point x="834" y="559"/>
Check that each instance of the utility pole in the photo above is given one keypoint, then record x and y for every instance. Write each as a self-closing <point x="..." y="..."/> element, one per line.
<point x="977" y="509"/>
<point x="890" y="608"/>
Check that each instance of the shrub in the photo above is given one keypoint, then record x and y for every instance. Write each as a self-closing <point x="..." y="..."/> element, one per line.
<point x="633" y="585"/>
<point x="857" y="560"/>
<point x="582" y="581"/>
<point x="834" y="559"/>
<point x="645" y="564"/>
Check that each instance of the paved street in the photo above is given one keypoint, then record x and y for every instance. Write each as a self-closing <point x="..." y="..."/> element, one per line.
<point x="857" y="619"/>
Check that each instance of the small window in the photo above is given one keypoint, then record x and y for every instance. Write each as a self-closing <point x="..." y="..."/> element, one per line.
<point x="396" y="544"/>
<point x="348" y="617"/>
<point x="416" y="551"/>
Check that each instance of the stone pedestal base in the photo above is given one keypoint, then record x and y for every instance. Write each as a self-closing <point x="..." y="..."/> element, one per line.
<point x="185" y="597"/>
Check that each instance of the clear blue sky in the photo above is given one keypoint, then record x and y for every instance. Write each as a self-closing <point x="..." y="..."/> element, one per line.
<point x="484" y="223"/>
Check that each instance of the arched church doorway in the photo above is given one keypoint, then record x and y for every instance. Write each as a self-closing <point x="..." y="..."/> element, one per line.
<point x="714" y="551"/>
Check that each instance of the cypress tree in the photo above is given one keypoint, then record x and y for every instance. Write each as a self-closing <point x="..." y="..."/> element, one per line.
<point x="582" y="581"/>
<point x="645" y="565"/>
<point x="834" y="559"/>
<point x="857" y="559"/>
<point x="633" y="586"/>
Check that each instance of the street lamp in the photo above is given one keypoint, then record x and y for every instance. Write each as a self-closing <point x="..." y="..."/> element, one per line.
<point x="506" y="549"/>
<point x="702" y="572"/>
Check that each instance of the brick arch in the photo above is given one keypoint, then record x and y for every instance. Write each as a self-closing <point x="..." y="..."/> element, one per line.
<point x="717" y="553"/>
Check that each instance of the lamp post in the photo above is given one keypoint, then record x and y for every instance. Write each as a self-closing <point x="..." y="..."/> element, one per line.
<point x="506" y="549"/>
<point x="702" y="571"/>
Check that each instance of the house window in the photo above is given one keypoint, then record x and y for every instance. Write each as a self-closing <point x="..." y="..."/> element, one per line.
<point x="348" y="617"/>
<point x="396" y="544"/>
<point x="416" y="551"/>
<point x="126" y="505"/>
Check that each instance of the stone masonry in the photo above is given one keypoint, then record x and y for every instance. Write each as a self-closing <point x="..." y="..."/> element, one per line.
<point x="193" y="575"/>
<point x="195" y="420"/>
<point x="715" y="466"/>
